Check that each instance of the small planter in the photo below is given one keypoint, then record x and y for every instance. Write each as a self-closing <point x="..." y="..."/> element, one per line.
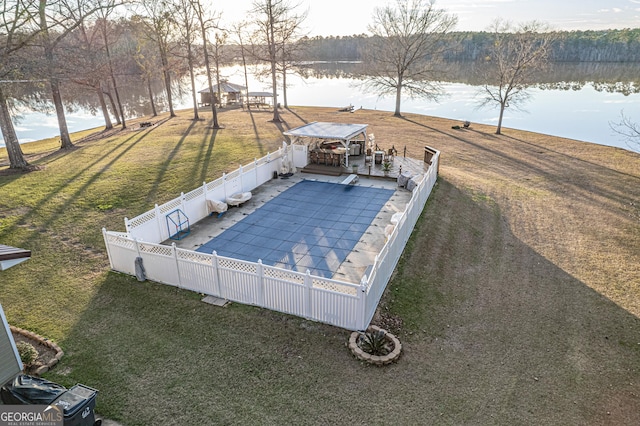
<point x="386" y="168"/>
<point x="354" y="169"/>
<point x="358" y="352"/>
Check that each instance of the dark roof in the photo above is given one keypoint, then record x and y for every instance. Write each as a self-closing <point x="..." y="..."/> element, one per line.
<point x="226" y="87"/>
<point x="260" y="94"/>
<point x="10" y="256"/>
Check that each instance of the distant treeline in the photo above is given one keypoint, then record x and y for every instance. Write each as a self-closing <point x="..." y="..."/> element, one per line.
<point x="570" y="46"/>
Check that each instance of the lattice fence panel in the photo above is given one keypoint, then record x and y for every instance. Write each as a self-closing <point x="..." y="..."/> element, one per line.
<point x="142" y="219"/>
<point x="155" y="249"/>
<point x="121" y="241"/>
<point x="283" y="274"/>
<point x="170" y="206"/>
<point x="237" y="265"/>
<point x="334" y="286"/>
<point x="214" y="184"/>
<point x="194" y="256"/>
<point x="192" y="195"/>
<point x="234" y="174"/>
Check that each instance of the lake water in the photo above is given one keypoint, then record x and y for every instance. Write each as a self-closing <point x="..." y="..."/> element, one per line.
<point x="582" y="114"/>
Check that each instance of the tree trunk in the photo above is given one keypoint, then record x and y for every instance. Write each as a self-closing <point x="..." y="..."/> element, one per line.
<point x="65" y="139"/>
<point x="203" y="30"/>
<point x="398" y="98"/>
<point x="167" y="80"/>
<point x="113" y="77"/>
<point x="499" y="129"/>
<point x="284" y="86"/>
<point x="273" y="58"/>
<point x="153" y="103"/>
<point x="207" y="64"/>
<point x="167" y="84"/>
<point x="246" y="74"/>
<point x="105" y="111"/>
<point x="276" y="113"/>
<point x="194" y="95"/>
<point x="113" y="107"/>
<point x="16" y="157"/>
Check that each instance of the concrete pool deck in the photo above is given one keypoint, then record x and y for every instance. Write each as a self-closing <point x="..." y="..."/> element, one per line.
<point x="360" y="257"/>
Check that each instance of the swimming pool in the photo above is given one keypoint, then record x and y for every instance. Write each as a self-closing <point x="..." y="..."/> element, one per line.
<point x="310" y="226"/>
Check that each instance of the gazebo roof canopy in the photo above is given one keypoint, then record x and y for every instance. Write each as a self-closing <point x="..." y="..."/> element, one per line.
<point x="11" y="256"/>
<point x="324" y="130"/>
<point x="260" y="94"/>
<point x="226" y="87"/>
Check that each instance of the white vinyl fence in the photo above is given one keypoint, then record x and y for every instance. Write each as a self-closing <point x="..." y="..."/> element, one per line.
<point x="342" y="304"/>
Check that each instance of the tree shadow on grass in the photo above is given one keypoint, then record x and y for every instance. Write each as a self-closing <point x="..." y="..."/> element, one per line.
<point x="209" y="136"/>
<point x="126" y="144"/>
<point x="298" y="116"/>
<point x="163" y="167"/>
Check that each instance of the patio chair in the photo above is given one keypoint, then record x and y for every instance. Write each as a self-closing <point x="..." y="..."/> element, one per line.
<point x="326" y="158"/>
<point x="389" y="155"/>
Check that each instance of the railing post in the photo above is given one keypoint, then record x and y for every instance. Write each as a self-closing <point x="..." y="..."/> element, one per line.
<point x="108" y="246"/>
<point x="362" y="306"/>
<point x="204" y="202"/>
<point x="135" y="240"/>
<point x="260" y="273"/>
<point x="159" y="222"/>
<point x="218" y="284"/>
<point x="127" y="227"/>
<point x="183" y="206"/>
<point x="175" y="258"/>
<point x="224" y="184"/>
<point x="308" y="283"/>
<point x="255" y="168"/>
<point x="241" y="172"/>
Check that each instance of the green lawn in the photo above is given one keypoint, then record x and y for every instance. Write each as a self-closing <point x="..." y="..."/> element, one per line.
<point x="516" y="300"/>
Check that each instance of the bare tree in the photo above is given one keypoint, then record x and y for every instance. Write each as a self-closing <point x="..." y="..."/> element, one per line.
<point x="515" y="55"/>
<point x="56" y="19"/>
<point x="147" y="61"/>
<point x="238" y="31"/>
<point x="220" y="39"/>
<point x="161" y="29"/>
<point x="276" y="24"/>
<point x="84" y="54"/>
<point x="104" y="28"/>
<point x="187" y="24"/>
<point x="206" y="23"/>
<point x="17" y="32"/>
<point x="290" y="32"/>
<point x="629" y="130"/>
<point x="406" y="45"/>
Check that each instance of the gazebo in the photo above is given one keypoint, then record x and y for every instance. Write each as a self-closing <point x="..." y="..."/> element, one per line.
<point x="229" y="92"/>
<point x="318" y="132"/>
<point x="260" y="98"/>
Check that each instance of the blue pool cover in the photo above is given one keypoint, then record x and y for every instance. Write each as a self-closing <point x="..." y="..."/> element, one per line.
<point x="312" y="225"/>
